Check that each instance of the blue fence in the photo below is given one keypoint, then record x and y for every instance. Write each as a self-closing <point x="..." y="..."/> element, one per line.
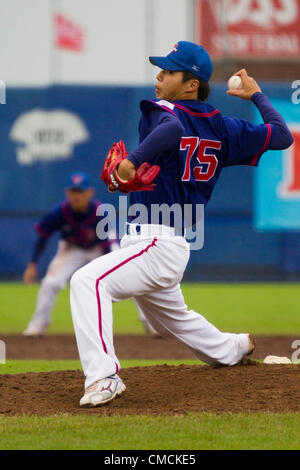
<point x="47" y="133"/>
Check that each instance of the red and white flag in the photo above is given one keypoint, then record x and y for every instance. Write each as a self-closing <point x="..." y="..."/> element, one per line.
<point x="67" y="34"/>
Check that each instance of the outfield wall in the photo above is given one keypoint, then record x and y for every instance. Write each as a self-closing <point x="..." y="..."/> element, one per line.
<point x="48" y="132"/>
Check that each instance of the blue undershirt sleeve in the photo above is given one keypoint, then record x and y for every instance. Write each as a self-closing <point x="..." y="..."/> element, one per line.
<point x="45" y="228"/>
<point x="246" y="142"/>
<point x="38" y="248"/>
<point x="281" y="136"/>
<point x="165" y="132"/>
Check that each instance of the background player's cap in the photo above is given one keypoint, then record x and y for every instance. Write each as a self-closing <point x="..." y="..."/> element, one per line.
<point x="186" y="55"/>
<point x="79" y="180"/>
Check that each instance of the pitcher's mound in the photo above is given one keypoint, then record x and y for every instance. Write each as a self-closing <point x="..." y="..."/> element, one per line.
<point x="159" y="390"/>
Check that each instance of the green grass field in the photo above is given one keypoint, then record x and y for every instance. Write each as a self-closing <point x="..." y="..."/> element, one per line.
<point x="195" y="431"/>
<point x="260" y="308"/>
<point x="14" y="366"/>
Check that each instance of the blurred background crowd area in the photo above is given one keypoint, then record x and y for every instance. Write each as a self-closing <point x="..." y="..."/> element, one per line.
<point x="74" y="73"/>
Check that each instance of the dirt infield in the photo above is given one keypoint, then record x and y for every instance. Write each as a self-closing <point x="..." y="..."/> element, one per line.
<point x="159" y="390"/>
<point x="129" y="346"/>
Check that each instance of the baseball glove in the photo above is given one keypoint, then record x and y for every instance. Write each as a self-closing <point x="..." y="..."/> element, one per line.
<point x="142" y="180"/>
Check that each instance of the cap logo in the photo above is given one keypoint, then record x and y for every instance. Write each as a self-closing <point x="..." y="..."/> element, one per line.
<point x="196" y="68"/>
<point x="77" y="179"/>
<point x="174" y="48"/>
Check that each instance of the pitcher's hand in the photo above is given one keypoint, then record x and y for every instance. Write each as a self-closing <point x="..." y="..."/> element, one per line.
<point x="249" y="86"/>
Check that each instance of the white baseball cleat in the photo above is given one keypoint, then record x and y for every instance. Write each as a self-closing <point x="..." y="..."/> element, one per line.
<point x="251" y="348"/>
<point x="149" y="330"/>
<point x="102" y="391"/>
<point x="34" y="330"/>
<point x="252" y="344"/>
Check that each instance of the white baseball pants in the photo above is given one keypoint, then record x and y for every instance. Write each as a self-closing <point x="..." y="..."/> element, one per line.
<point x="67" y="260"/>
<point x="149" y="267"/>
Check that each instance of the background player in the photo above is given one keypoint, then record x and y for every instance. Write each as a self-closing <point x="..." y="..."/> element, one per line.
<point x="76" y="220"/>
<point x="190" y="142"/>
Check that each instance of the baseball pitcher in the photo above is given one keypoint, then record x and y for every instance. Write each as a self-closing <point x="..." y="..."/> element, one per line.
<point x="184" y="145"/>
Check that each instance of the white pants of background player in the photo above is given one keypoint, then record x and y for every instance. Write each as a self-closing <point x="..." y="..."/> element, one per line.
<point x="67" y="260"/>
<point x="149" y="267"/>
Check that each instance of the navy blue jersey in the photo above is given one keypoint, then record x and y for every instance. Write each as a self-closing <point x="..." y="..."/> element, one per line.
<point x="189" y="170"/>
<point x="76" y="228"/>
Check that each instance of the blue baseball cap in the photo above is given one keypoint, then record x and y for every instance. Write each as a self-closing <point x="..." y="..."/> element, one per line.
<point x="79" y="180"/>
<point x="186" y="55"/>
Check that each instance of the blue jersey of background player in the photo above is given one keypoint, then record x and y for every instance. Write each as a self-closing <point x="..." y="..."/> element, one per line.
<point x="76" y="220"/>
<point x="190" y="139"/>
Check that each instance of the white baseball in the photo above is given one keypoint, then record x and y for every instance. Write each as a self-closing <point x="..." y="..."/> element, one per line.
<point x="235" y="82"/>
